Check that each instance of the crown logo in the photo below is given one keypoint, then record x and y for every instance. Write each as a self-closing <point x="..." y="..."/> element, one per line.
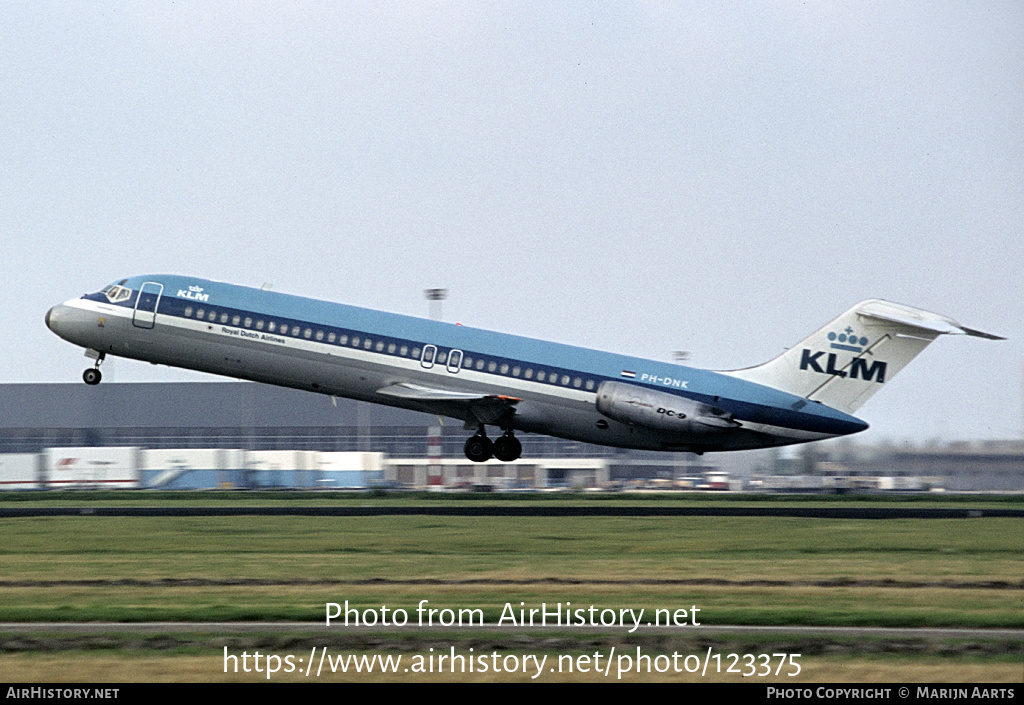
<point x="847" y="340"/>
<point x="197" y="289"/>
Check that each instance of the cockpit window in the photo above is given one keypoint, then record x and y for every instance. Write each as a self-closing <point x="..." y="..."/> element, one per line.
<point x="116" y="293"/>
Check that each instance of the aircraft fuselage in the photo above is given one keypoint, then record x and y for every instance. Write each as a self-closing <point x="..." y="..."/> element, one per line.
<point x="479" y="377"/>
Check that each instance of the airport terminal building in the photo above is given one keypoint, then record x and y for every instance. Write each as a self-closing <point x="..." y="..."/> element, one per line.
<point x="242" y="434"/>
<point x="248" y="435"/>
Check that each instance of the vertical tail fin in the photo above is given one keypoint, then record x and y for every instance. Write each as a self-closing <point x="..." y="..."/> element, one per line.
<point x="847" y="361"/>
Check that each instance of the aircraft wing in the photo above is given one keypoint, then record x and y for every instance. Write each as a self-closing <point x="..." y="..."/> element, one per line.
<point x="474" y="407"/>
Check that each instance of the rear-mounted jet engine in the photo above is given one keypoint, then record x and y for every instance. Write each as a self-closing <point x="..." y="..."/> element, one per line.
<point x="637" y="406"/>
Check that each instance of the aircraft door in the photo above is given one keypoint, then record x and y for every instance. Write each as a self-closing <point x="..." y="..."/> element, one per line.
<point x="427" y="358"/>
<point x="454" y="361"/>
<point x="146" y="303"/>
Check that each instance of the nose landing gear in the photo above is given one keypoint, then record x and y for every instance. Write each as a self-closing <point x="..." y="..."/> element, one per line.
<point x="92" y="376"/>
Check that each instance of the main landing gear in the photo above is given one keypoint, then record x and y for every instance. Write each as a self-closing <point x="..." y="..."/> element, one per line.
<point x="92" y="375"/>
<point x="479" y="448"/>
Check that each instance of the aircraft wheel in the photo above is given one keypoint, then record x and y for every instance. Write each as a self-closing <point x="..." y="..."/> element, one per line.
<point x="479" y="449"/>
<point x="92" y="376"/>
<point x="507" y="448"/>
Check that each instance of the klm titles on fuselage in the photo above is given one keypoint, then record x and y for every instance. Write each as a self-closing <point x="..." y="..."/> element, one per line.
<point x="242" y="333"/>
<point x="193" y="293"/>
<point x="857" y="368"/>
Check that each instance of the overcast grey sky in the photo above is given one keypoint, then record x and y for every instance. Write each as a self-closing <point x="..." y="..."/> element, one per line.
<point x="640" y="177"/>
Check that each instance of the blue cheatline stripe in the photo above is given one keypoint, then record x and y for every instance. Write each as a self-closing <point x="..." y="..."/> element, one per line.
<point x="746" y="400"/>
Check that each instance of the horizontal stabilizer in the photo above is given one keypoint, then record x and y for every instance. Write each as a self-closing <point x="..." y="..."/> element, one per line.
<point x="916" y="318"/>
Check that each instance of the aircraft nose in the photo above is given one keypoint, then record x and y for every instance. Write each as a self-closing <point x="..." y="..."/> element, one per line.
<point x="65" y="321"/>
<point x="49" y="316"/>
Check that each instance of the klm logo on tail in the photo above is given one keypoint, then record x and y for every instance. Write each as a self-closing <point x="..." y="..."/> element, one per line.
<point x="859" y="368"/>
<point x="856" y="368"/>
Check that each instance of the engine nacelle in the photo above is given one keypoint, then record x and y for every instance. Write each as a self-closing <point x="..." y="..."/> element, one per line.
<point x="638" y="406"/>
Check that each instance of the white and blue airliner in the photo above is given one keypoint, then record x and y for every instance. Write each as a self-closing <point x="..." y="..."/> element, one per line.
<point x="484" y="378"/>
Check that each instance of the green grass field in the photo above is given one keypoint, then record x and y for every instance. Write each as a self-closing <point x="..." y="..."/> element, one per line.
<point x="749" y="570"/>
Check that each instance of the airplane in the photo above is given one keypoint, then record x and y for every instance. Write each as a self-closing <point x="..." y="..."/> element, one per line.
<point x="485" y="378"/>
